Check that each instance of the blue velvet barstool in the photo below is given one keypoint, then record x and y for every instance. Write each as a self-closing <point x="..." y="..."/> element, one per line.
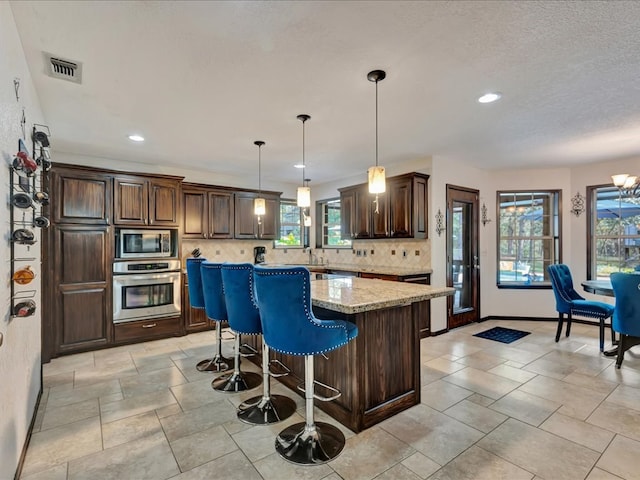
<point x="244" y="318"/>
<point x="211" y="282"/>
<point x="289" y="327"/>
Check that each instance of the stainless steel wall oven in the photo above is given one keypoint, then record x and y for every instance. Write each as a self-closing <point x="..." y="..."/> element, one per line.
<point x="145" y="290"/>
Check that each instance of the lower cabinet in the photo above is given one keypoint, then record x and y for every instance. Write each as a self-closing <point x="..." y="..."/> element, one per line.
<point x="80" y="318"/>
<point x="147" y="329"/>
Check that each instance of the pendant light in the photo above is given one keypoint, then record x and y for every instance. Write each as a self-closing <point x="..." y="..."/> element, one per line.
<point x="304" y="192"/>
<point x="377" y="183"/>
<point x="259" y="204"/>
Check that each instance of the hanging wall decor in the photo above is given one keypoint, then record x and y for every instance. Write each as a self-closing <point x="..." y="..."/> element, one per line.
<point x="439" y="223"/>
<point x="483" y="215"/>
<point x="577" y="204"/>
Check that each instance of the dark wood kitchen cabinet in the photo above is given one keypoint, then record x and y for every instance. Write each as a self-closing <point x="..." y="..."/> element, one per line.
<point x="246" y="222"/>
<point x="81" y="288"/>
<point x="80" y="197"/>
<point x="146" y="201"/>
<point x="207" y="213"/>
<point x="402" y="209"/>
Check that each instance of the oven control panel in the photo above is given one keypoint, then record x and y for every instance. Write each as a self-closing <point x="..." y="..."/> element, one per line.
<point x="123" y="268"/>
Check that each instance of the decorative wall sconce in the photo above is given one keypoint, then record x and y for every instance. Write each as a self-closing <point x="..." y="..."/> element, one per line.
<point x="577" y="204"/>
<point x="439" y="223"/>
<point x="483" y="215"/>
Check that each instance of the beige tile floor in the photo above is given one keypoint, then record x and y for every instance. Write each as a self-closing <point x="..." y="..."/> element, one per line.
<point x="533" y="409"/>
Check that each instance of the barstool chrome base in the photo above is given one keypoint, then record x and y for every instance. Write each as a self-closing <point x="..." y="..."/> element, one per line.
<point x="236" y="382"/>
<point x="215" y="364"/>
<point x="259" y="411"/>
<point x="302" y="446"/>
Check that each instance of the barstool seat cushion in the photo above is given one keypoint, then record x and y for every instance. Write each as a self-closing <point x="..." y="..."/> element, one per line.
<point x="288" y="324"/>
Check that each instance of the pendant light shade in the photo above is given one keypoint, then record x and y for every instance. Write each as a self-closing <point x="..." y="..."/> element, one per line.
<point x="377" y="181"/>
<point x="304" y="192"/>
<point x="259" y="204"/>
<point x="304" y="197"/>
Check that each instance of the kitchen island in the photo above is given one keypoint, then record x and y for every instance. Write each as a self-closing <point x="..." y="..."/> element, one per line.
<point x="378" y="373"/>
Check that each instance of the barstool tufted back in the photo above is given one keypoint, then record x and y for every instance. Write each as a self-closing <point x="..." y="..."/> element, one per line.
<point x="288" y="324"/>
<point x="214" y="303"/>
<point x="194" y="274"/>
<point x="242" y="311"/>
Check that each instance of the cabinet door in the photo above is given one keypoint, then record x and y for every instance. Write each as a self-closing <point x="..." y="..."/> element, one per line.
<point x="400" y="209"/>
<point x="271" y="220"/>
<point x="80" y="197"/>
<point x="380" y="220"/>
<point x="245" y="220"/>
<point x="194" y="206"/>
<point x="347" y="214"/>
<point x="362" y="220"/>
<point x="420" y="216"/>
<point x="82" y="293"/>
<point x="221" y="215"/>
<point x="164" y="198"/>
<point x="131" y="201"/>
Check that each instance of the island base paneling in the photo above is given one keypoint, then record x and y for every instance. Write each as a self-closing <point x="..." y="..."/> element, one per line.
<point x="378" y="373"/>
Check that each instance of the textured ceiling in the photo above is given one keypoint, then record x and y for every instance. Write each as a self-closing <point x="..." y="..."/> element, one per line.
<point x="203" y="80"/>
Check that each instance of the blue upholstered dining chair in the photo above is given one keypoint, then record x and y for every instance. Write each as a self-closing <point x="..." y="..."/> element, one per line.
<point x="569" y="302"/>
<point x="244" y="318"/>
<point x="216" y="310"/>
<point x="289" y="327"/>
<point x="626" y="317"/>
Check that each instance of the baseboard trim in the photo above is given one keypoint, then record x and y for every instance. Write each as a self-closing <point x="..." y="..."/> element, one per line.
<point x="23" y="454"/>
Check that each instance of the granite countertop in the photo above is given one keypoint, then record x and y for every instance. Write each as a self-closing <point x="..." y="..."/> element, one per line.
<point x="355" y="295"/>
<point x="350" y="267"/>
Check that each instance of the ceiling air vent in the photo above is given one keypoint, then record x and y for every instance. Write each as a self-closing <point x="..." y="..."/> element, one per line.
<point x="64" y="69"/>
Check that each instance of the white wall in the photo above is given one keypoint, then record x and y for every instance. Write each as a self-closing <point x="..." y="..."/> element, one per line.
<point x="20" y="353"/>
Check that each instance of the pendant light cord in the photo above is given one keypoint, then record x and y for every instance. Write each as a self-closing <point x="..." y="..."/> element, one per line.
<point x="259" y="169"/>
<point x="303" y="164"/>
<point x="376" y="123"/>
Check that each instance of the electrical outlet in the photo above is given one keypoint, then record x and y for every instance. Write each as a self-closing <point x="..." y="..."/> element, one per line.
<point x="364" y="253"/>
<point x="404" y="254"/>
<point x="371" y="252"/>
<point x="417" y="253"/>
<point x="393" y="252"/>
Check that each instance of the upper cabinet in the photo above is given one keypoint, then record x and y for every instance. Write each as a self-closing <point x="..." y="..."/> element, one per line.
<point x="402" y="209"/>
<point x="81" y="197"/>
<point x="207" y="213"/>
<point x="221" y="212"/>
<point x="146" y="201"/>
<point x="246" y="222"/>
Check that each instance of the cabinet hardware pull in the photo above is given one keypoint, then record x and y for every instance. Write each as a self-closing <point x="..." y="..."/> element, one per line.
<point x="150" y="325"/>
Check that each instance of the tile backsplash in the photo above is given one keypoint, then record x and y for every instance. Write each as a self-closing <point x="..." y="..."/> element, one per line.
<point x="387" y="253"/>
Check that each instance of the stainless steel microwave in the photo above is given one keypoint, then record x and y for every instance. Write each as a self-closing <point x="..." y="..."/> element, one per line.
<point x="139" y="243"/>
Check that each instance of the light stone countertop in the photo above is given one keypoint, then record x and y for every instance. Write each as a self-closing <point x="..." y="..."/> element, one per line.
<point x="354" y="295"/>
<point x="351" y="267"/>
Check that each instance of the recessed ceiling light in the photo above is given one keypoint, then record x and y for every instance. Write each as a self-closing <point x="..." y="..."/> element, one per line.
<point x="136" y="138"/>
<point x="299" y="165"/>
<point x="490" y="97"/>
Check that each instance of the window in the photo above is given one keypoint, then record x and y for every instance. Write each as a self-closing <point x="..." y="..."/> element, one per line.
<point x="528" y="237"/>
<point x="614" y="226"/>
<point x="330" y="211"/>
<point x="291" y="228"/>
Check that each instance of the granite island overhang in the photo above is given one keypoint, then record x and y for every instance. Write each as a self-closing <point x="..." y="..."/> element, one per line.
<point x="378" y="373"/>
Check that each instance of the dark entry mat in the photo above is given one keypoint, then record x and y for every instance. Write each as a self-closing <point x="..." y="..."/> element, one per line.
<point x="501" y="334"/>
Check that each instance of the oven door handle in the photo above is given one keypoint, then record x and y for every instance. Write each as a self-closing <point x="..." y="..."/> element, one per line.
<point x="146" y="277"/>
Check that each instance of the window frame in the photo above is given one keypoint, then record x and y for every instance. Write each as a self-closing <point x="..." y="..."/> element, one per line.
<point x="555" y="237"/>
<point x="592" y="197"/>
<point x="303" y="229"/>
